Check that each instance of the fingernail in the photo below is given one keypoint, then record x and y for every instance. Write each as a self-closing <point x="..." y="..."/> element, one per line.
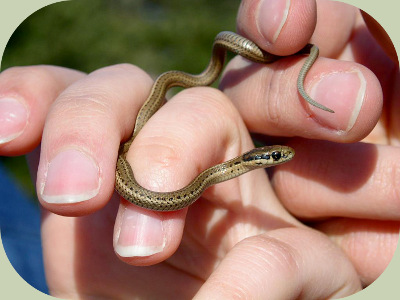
<point x="13" y="119"/>
<point x="271" y="16"/>
<point x="343" y="92"/>
<point x="71" y="177"/>
<point x="140" y="233"/>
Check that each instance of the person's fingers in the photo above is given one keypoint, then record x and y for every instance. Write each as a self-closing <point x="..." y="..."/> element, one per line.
<point x="143" y="237"/>
<point x="195" y="130"/>
<point x="284" y="27"/>
<point x="274" y="25"/>
<point x="80" y="143"/>
<point x="268" y="100"/>
<point x="286" y="263"/>
<point x="369" y="244"/>
<point x="335" y="27"/>
<point x="267" y="96"/>
<point x="81" y="137"/>
<point x="371" y="47"/>
<point x="80" y="262"/>
<point x="346" y="180"/>
<point x="26" y="93"/>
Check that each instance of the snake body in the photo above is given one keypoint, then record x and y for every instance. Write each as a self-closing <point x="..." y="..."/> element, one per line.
<point x="257" y="158"/>
<point x="262" y="157"/>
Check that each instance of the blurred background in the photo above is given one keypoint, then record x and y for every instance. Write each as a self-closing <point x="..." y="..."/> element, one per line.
<point x="156" y="35"/>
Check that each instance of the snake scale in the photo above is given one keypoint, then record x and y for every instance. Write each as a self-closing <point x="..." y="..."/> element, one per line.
<point x="261" y="157"/>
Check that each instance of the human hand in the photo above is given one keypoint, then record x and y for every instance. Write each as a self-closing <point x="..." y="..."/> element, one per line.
<point x="345" y="189"/>
<point x="78" y="253"/>
<point x="85" y="117"/>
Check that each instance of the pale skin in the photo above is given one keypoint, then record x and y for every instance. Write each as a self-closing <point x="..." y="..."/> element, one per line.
<point x="244" y="237"/>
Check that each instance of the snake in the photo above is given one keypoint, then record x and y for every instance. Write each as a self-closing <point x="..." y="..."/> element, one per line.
<point x="261" y="157"/>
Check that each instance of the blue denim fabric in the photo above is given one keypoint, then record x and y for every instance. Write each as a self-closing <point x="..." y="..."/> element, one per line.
<point x="20" y="232"/>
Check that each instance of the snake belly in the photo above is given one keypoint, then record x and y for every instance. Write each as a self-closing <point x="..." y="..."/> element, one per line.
<point x="262" y="157"/>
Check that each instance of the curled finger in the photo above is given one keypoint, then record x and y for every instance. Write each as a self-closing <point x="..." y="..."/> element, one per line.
<point x="286" y="263"/>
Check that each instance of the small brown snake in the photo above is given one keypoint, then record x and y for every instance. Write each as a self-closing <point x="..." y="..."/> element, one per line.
<point x="263" y="157"/>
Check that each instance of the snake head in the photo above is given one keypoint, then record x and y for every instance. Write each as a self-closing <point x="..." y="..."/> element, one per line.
<point x="268" y="156"/>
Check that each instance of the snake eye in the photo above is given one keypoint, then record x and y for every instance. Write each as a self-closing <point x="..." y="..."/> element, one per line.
<point x="276" y="155"/>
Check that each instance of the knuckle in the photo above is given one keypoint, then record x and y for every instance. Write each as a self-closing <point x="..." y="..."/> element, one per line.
<point x="214" y="111"/>
<point x="82" y="110"/>
<point x="123" y="71"/>
<point x="271" y="109"/>
<point x="280" y="91"/>
<point x="118" y="67"/>
<point x="387" y="178"/>
<point x="393" y="179"/>
<point x="158" y="160"/>
<point x="18" y="78"/>
<point x="206" y="103"/>
<point x="274" y="253"/>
